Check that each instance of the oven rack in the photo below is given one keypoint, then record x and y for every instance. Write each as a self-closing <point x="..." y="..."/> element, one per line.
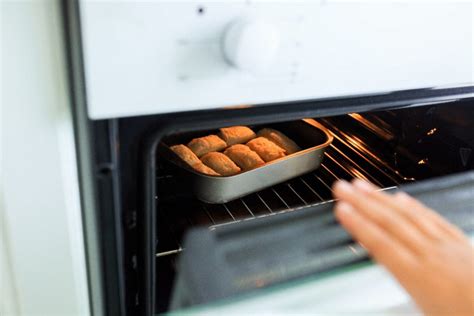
<point x="347" y="157"/>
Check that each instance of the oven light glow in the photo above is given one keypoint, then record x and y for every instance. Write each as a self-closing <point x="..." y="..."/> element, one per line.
<point x="379" y="130"/>
<point x="423" y="161"/>
<point x="237" y="106"/>
<point x="356" y="116"/>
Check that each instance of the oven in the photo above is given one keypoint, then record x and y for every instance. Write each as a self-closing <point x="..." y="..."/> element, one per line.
<point x="393" y="90"/>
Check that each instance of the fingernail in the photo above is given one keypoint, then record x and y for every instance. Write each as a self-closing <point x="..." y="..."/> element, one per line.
<point x="343" y="208"/>
<point x="343" y="186"/>
<point x="402" y="195"/>
<point x="363" y="185"/>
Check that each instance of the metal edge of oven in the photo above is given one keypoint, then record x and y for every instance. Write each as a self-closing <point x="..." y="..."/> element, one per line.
<point x="103" y="303"/>
<point x="196" y="284"/>
<point x="101" y="300"/>
<point x="99" y="181"/>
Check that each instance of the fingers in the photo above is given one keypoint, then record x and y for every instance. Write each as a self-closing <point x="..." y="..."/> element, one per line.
<point x="427" y="221"/>
<point x="418" y="215"/>
<point x="401" y="215"/>
<point x="379" y="213"/>
<point x="382" y="247"/>
<point x="441" y="227"/>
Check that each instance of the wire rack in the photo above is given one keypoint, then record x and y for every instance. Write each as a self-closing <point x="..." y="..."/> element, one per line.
<point x="347" y="157"/>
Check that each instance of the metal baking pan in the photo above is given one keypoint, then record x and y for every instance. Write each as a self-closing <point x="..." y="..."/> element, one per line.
<point x="311" y="136"/>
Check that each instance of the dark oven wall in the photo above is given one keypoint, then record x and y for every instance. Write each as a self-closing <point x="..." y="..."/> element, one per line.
<point x="131" y="136"/>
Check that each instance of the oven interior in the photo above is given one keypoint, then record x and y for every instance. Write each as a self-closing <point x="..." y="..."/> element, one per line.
<point x="387" y="147"/>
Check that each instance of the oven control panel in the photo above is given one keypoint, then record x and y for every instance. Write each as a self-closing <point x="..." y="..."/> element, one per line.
<point x="150" y="57"/>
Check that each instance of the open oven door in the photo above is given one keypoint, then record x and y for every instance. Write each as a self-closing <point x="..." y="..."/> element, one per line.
<point x="279" y="265"/>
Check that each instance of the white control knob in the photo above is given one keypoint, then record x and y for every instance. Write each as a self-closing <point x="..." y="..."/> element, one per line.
<point x="251" y="44"/>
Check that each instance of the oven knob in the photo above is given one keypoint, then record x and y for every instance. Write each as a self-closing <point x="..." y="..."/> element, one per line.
<point x="251" y="45"/>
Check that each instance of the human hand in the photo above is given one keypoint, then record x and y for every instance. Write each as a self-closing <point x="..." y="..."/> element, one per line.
<point x="432" y="259"/>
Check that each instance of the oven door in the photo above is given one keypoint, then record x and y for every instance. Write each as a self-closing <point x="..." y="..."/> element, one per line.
<point x="280" y="275"/>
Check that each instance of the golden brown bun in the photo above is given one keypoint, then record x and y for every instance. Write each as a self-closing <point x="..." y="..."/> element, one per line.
<point x="236" y="134"/>
<point x="202" y="168"/>
<point x="280" y="139"/>
<point x="203" y="145"/>
<point x="185" y="154"/>
<point x="244" y="157"/>
<point x="220" y="163"/>
<point x="266" y="149"/>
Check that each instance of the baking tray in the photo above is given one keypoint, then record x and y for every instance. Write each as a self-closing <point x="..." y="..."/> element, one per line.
<point x="311" y="136"/>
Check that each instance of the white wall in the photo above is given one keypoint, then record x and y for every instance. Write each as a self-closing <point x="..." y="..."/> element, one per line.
<point x="43" y="264"/>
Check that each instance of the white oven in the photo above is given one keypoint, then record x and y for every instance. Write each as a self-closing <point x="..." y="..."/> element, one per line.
<point x="94" y="215"/>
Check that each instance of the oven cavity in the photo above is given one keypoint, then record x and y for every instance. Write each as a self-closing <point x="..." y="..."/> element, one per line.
<point x="388" y="148"/>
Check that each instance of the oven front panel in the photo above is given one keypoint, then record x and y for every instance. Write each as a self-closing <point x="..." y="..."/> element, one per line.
<point x="150" y="57"/>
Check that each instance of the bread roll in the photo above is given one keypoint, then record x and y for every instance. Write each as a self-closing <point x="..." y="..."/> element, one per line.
<point x="244" y="157"/>
<point x="220" y="163"/>
<point x="191" y="159"/>
<point x="202" y="168"/>
<point x="185" y="154"/>
<point x="280" y="139"/>
<point x="236" y="134"/>
<point x="266" y="149"/>
<point x="203" y="145"/>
